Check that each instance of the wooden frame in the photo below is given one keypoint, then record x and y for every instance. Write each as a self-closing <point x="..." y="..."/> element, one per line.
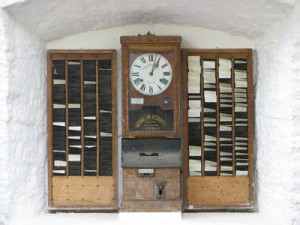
<point x="196" y="183"/>
<point x="109" y="183"/>
<point x="144" y="197"/>
<point x="148" y="44"/>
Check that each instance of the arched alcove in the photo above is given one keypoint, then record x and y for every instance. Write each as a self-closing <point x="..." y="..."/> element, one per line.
<point x="52" y="20"/>
<point x="29" y="27"/>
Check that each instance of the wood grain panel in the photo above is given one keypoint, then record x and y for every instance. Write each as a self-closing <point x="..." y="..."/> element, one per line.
<point x="97" y="116"/>
<point x="81" y="54"/>
<point x="144" y="188"/>
<point x="233" y="119"/>
<point x="250" y="96"/>
<point x="114" y="124"/>
<point x="202" y="119"/>
<point x="83" y="191"/>
<point x="49" y="126"/>
<point x="67" y="116"/>
<point x="218" y="116"/>
<point x="82" y="116"/>
<point x="217" y="190"/>
<point x="163" y="40"/>
<point x="151" y="206"/>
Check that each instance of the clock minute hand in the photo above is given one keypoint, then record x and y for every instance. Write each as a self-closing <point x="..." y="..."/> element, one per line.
<point x="156" y="65"/>
<point x="153" y="65"/>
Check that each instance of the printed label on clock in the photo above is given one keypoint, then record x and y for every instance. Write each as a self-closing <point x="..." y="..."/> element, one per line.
<point x="137" y="101"/>
<point x="151" y="119"/>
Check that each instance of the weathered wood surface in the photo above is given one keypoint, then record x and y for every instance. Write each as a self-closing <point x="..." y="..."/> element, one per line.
<point x="82" y="126"/>
<point x="218" y="190"/>
<point x="219" y="112"/>
<point x="144" y="188"/>
<point x="151" y="206"/>
<point x="83" y="191"/>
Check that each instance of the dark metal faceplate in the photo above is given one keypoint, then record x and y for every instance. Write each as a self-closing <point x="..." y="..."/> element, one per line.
<point x="151" y="153"/>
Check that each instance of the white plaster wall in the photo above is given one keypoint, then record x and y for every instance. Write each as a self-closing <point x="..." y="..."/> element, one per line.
<point x="295" y="190"/>
<point x="273" y="113"/>
<point x="23" y="161"/>
<point x="4" y="198"/>
<point x="4" y="3"/>
<point x="192" y="37"/>
<point x="23" y="118"/>
<point x="239" y="17"/>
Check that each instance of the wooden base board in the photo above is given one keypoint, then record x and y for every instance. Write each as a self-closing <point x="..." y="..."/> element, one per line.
<point x="217" y="191"/>
<point x="144" y="188"/>
<point x="151" y="206"/>
<point x="140" y="193"/>
<point x="82" y="192"/>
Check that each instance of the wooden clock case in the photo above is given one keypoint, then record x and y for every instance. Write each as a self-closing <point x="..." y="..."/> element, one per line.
<point x="132" y="46"/>
<point x="154" y="186"/>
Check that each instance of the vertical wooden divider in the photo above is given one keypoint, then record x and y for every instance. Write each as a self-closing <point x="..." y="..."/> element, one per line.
<point x="185" y="124"/>
<point x="218" y="116"/>
<point x="250" y="127"/>
<point x="67" y="115"/>
<point x="97" y="115"/>
<point x="202" y="118"/>
<point x="114" y="112"/>
<point x="82" y="117"/>
<point x="50" y="125"/>
<point x="233" y="117"/>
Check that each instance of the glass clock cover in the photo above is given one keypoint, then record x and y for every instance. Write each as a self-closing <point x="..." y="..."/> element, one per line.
<point x="150" y="93"/>
<point x="150" y="73"/>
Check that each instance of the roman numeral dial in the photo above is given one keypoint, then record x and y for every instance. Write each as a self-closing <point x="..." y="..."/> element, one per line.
<point x="151" y="73"/>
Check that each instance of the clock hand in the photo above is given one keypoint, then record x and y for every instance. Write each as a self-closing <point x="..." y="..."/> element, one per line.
<point x="156" y="64"/>
<point x="151" y="73"/>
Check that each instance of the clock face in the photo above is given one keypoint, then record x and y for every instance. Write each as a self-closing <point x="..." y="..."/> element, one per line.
<point x="151" y="73"/>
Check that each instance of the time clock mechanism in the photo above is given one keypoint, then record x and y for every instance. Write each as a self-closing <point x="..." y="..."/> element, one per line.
<point x="151" y="140"/>
<point x="150" y="108"/>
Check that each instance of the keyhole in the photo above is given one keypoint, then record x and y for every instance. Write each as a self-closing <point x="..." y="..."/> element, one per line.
<point x="160" y="191"/>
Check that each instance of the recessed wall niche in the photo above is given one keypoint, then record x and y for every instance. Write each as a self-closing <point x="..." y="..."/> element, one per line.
<point x="217" y="130"/>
